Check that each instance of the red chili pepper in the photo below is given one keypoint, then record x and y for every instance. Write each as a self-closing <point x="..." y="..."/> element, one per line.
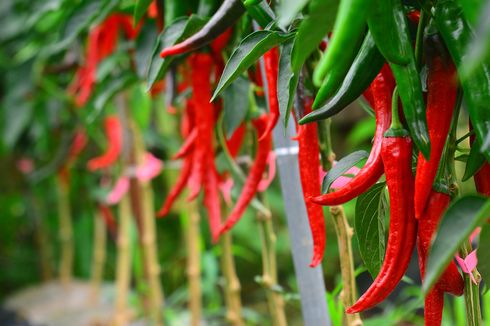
<point x="102" y="41"/>
<point x="204" y="170"/>
<point x="271" y="65"/>
<point x="381" y="90"/>
<point x="114" y="134"/>
<point x="309" y="164"/>
<point x="433" y="306"/>
<point x="396" y="152"/>
<point x="414" y="16"/>
<point x="254" y="176"/>
<point x="235" y="141"/>
<point x="218" y="44"/>
<point x="450" y="281"/>
<point x="482" y="179"/>
<point x="187" y="146"/>
<point x="177" y="188"/>
<point x="442" y="90"/>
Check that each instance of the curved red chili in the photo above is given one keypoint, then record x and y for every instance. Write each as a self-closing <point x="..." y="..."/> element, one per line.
<point x="309" y="164"/>
<point x="441" y="99"/>
<point x="396" y="152"/>
<point x="271" y="65"/>
<point x="114" y="134"/>
<point x="450" y="281"/>
<point x="177" y="188"/>
<point x="187" y="146"/>
<point x="381" y="90"/>
<point x="254" y="175"/>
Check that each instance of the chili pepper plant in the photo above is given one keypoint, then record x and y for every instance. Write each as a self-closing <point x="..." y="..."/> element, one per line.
<point x="141" y="140"/>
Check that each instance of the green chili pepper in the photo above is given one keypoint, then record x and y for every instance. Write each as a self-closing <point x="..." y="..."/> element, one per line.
<point x="387" y="17"/>
<point x="388" y="26"/>
<point x="173" y="10"/>
<point x="350" y="24"/>
<point x="457" y="35"/>
<point x="364" y="69"/>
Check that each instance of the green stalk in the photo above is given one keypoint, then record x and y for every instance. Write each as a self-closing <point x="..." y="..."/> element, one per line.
<point x="65" y="231"/>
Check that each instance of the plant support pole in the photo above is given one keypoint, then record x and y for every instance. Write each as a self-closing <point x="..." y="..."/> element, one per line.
<point x="310" y="280"/>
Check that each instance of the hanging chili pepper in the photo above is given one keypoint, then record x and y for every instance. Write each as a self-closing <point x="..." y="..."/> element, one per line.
<point x="450" y="281"/>
<point x="348" y="30"/>
<point x="388" y="26"/>
<point x="309" y="163"/>
<point x="271" y="65"/>
<point x="441" y="99"/>
<point x="457" y="35"/>
<point x="381" y="89"/>
<point x="235" y="141"/>
<point x="396" y="152"/>
<point x="102" y="41"/>
<point x="254" y="176"/>
<point x="187" y="146"/>
<point x="226" y="16"/>
<point x="177" y="188"/>
<point x="363" y="70"/>
<point x="482" y="179"/>
<point x="204" y="170"/>
<point x="114" y="134"/>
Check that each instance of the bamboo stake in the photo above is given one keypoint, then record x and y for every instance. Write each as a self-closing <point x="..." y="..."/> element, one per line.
<point x="269" y="269"/>
<point x="65" y="232"/>
<point x="194" y="266"/>
<point x="232" y="283"/>
<point x="342" y="229"/>
<point x="344" y="238"/>
<point x="41" y="237"/>
<point x="123" y="267"/>
<point x="99" y="254"/>
<point x="148" y="234"/>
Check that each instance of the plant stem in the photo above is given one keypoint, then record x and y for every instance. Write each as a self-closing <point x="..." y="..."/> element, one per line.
<point x="148" y="232"/>
<point x="327" y="154"/>
<point x="269" y="269"/>
<point x="65" y="231"/>
<point x="123" y="265"/>
<point x="194" y="266"/>
<point x="471" y="292"/>
<point x="41" y="237"/>
<point x="344" y="237"/>
<point x="232" y="283"/>
<point x="343" y="231"/>
<point x="99" y="254"/>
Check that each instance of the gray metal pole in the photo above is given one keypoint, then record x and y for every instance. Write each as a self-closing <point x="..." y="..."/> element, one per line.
<point x="310" y="280"/>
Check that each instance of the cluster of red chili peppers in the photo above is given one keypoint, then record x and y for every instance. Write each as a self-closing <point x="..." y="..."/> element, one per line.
<point x="417" y="202"/>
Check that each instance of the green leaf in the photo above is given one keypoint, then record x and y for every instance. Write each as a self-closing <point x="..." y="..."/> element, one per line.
<point x="474" y="161"/>
<point x="144" y="48"/>
<point x="371" y="209"/>
<point x="456" y="226"/>
<point x="17" y="115"/>
<point x="288" y="10"/>
<point x="311" y="31"/>
<point x="247" y="53"/>
<point x="179" y="30"/>
<point x="140" y="106"/>
<point x="140" y="9"/>
<point x="341" y="167"/>
<point x="483" y="253"/>
<point x="287" y="82"/>
<point x="235" y="104"/>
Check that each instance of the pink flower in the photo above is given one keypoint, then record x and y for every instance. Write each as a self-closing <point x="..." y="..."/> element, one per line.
<point x="120" y="189"/>
<point x="150" y="168"/>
